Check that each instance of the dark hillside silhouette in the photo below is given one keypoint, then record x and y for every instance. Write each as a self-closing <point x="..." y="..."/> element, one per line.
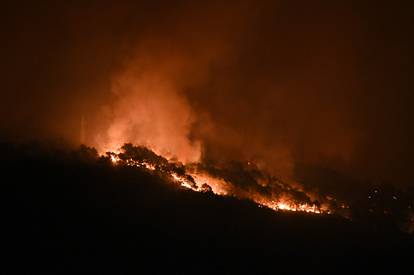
<point x="73" y="212"/>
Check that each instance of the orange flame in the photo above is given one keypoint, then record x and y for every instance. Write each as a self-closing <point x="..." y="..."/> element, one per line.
<point x="221" y="187"/>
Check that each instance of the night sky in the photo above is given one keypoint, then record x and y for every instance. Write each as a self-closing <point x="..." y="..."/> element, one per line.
<point x="289" y="84"/>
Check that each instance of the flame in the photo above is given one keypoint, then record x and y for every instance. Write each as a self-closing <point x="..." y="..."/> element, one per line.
<point x="290" y="205"/>
<point x="218" y="186"/>
<point x="114" y="159"/>
<point x="183" y="182"/>
<point x="201" y="181"/>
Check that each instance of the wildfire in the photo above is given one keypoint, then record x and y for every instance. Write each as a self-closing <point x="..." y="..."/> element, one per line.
<point x="183" y="182"/>
<point x="218" y="186"/>
<point x="295" y="207"/>
<point x="114" y="159"/>
<point x="201" y="181"/>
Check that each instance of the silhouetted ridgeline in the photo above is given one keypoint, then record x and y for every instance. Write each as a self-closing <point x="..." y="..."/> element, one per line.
<point x="69" y="211"/>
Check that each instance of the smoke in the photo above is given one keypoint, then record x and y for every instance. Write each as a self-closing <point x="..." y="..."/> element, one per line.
<point x="149" y="110"/>
<point x="299" y="89"/>
<point x="150" y="103"/>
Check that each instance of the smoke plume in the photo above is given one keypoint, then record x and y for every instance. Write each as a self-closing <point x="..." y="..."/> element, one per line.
<point x="297" y="88"/>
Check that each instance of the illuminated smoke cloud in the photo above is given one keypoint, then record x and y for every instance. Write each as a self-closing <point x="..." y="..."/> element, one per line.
<point x="150" y="110"/>
<point x="324" y="86"/>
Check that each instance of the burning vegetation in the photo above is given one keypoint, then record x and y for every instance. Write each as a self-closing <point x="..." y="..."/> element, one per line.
<point x="381" y="205"/>
<point x="378" y="205"/>
<point x="236" y="179"/>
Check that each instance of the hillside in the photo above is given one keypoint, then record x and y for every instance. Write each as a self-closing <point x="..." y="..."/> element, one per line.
<point x="67" y="213"/>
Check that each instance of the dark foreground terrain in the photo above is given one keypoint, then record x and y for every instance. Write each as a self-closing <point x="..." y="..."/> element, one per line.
<point x="69" y="213"/>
